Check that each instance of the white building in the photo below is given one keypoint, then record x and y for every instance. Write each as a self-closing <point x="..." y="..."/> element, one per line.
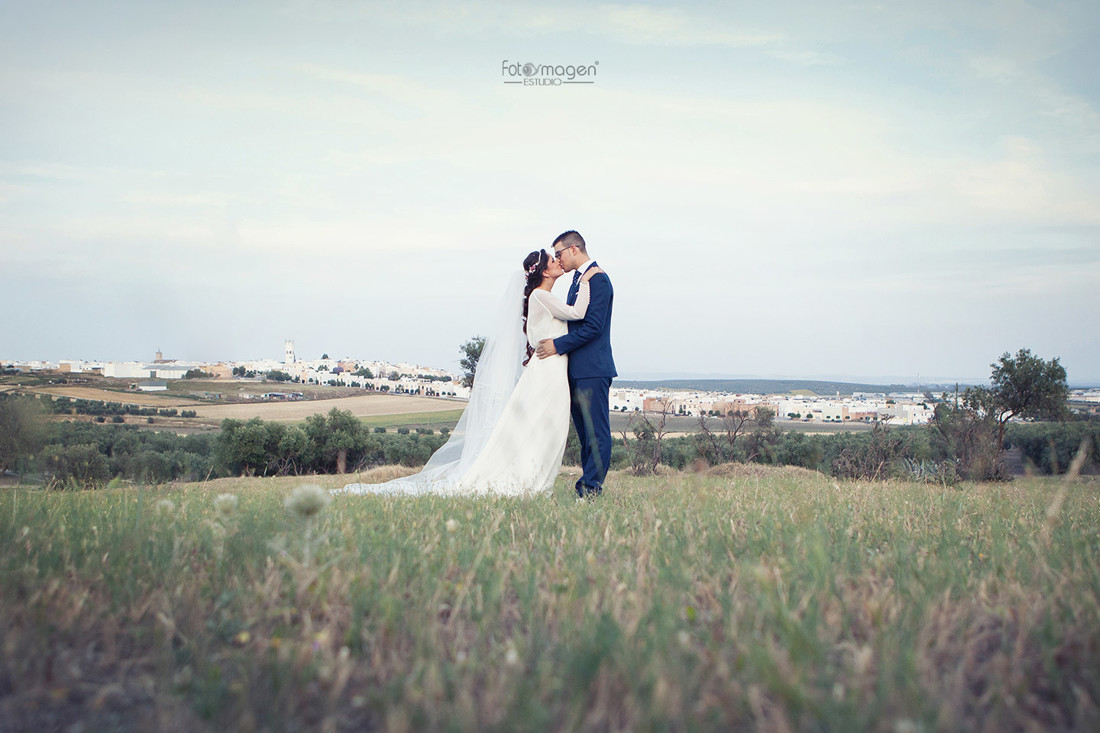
<point x="126" y="370"/>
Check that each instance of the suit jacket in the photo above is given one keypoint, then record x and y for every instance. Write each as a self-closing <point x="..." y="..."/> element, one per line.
<point x="588" y="342"/>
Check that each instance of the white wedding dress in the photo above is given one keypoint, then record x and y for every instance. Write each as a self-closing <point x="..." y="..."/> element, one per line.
<point x="509" y="443"/>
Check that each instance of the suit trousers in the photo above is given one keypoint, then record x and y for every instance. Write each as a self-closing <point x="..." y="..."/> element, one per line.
<point x="589" y="410"/>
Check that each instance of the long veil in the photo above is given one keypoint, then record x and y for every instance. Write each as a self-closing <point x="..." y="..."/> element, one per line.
<point x="498" y="371"/>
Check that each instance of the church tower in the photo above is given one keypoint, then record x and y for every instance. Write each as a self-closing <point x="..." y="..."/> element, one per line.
<point x="289" y="352"/>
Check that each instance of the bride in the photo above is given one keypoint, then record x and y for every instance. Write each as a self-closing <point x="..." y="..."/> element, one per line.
<point x="511" y="437"/>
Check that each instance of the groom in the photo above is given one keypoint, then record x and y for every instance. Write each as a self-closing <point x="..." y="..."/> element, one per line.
<point x="591" y="367"/>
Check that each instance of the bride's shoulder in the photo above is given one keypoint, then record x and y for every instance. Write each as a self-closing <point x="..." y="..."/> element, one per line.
<point x="540" y="294"/>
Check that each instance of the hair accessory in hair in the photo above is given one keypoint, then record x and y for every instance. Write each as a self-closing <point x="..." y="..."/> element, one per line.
<point x="534" y="268"/>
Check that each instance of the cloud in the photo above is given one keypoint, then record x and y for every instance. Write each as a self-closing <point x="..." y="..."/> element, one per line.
<point x="1023" y="187"/>
<point x="198" y="199"/>
<point x="633" y="24"/>
<point x="1076" y="117"/>
<point x="46" y="171"/>
<point x="399" y="88"/>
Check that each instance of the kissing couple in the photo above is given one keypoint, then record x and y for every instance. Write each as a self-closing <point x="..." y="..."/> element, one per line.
<point x="543" y="362"/>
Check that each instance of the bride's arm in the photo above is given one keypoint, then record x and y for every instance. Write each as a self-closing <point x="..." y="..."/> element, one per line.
<point x="560" y="310"/>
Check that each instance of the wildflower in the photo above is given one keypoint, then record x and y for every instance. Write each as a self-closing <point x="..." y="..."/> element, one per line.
<point x="165" y="506"/>
<point x="307" y="500"/>
<point x="242" y="638"/>
<point x="451" y="526"/>
<point x="511" y="657"/>
<point x="226" y="504"/>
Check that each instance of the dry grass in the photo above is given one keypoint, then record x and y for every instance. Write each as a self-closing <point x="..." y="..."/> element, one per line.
<point x="769" y="600"/>
<point x="367" y="405"/>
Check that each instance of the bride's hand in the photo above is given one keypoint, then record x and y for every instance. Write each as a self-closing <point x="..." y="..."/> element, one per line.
<point x="589" y="273"/>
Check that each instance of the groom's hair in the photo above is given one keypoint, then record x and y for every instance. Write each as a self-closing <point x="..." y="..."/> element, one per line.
<point x="571" y="239"/>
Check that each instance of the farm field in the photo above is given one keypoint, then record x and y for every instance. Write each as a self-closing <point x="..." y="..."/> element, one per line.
<point x="743" y="597"/>
<point x="376" y="409"/>
<point x="130" y="397"/>
<point x="365" y="405"/>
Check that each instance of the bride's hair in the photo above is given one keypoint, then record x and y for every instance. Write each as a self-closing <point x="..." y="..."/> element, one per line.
<point x="534" y="265"/>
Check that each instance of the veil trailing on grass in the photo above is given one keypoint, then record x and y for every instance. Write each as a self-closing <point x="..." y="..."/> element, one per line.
<point x="498" y="371"/>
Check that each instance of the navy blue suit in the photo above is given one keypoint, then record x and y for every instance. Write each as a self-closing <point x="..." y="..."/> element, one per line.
<point x="591" y="369"/>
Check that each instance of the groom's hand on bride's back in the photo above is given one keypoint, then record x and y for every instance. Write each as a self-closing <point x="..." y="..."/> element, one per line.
<point x="545" y="348"/>
<point x="590" y="273"/>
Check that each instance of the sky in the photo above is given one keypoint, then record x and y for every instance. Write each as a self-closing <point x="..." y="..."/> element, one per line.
<point x="888" y="191"/>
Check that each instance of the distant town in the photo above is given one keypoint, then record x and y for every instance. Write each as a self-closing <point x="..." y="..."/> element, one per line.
<point x="912" y="407"/>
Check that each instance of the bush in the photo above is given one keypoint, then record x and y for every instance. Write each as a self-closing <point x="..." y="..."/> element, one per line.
<point x="1050" y="447"/>
<point x="967" y="439"/>
<point x="20" y="430"/>
<point x="873" y="456"/>
<point x="77" y="466"/>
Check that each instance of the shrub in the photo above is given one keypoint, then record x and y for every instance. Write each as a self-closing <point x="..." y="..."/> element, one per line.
<point x="1050" y="447"/>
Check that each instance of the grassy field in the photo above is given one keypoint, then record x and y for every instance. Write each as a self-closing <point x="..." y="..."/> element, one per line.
<point x="435" y="420"/>
<point x="741" y="598"/>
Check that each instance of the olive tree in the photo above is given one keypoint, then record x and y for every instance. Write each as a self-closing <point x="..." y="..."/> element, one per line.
<point x="1022" y="386"/>
<point x="471" y="354"/>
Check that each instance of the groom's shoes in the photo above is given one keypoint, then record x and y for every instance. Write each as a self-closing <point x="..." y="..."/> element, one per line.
<point x="588" y="493"/>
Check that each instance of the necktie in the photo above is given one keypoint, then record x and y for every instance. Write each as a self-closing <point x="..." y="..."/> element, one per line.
<point x="576" y="278"/>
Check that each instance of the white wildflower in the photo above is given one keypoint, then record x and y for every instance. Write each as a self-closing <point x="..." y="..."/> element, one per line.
<point x="226" y="504"/>
<point x="166" y="506"/>
<point x="307" y="500"/>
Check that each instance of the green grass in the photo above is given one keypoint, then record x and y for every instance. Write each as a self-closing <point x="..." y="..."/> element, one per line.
<point x="433" y="420"/>
<point x="445" y="418"/>
<point x="760" y="599"/>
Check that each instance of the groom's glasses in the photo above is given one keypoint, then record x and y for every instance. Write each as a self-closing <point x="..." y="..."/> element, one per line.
<point x="557" y="252"/>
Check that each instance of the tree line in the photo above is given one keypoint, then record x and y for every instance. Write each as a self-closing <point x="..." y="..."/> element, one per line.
<point x="102" y="408"/>
<point x="83" y="454"/>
